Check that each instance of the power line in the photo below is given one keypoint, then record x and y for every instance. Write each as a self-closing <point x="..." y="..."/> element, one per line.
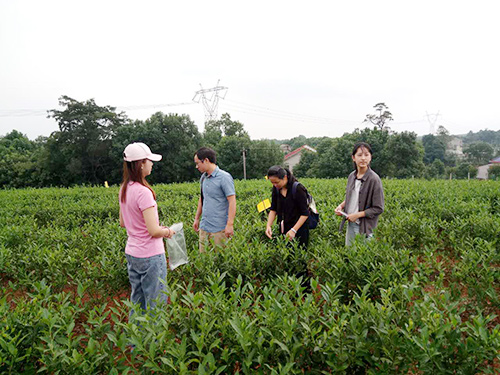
<point x="22" y="112"/>
<point x="150" y="106"/>
<point x="286" y="117"/>
<point x="280" y="113"/>
<point x="293" y="116"/>
<point x="43" y="112"/>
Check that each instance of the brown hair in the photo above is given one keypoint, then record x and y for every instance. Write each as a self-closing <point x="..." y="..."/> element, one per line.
<point x="132" y="172"/>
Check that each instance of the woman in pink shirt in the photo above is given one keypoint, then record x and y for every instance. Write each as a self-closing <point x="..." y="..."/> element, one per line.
<point x="145" y="252"/>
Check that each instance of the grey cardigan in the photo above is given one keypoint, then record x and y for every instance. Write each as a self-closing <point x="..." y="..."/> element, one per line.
<point x="371" y="200"/>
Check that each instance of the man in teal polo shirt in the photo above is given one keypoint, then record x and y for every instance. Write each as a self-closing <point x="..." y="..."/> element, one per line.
<point x="217" y="203"/>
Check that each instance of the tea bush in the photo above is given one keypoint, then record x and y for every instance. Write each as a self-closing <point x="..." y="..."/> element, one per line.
<point x="422" y="297"/>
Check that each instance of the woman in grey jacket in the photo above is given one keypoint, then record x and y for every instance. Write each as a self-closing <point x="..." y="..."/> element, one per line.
<point x="364" y="199"/>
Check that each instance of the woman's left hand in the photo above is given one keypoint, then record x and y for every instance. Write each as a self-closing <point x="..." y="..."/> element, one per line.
<point x="170" y="232"/>
<point x="290" y="235"/>
<point x="353" y="217"/>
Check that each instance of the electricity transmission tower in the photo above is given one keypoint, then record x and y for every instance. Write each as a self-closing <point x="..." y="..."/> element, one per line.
<point x="210" y="99"/>
<point x="432" y="118"/>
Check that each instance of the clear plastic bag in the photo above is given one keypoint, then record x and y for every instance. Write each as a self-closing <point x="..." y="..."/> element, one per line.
<point x="176" y="247"/>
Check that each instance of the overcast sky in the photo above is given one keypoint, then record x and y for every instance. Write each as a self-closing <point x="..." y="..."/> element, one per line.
<point x="291" y="67"/>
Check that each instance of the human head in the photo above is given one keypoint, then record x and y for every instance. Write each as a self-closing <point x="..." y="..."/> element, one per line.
<point x="137" y="164"/>
<point x="139" y="151"/>
<point x="278" y="176"/>
<point x="362" y="154"/>
<point x="203" y="157"/>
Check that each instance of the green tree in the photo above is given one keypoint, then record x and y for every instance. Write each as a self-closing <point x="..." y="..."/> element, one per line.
<point x="18" y="162"/>
<point x="494" y="172"/>
<point x="230" y="127"/>
<point x="435" y="170"/>
<point x="230" y="154"/>
<point x="434" y="148"/>
<point x="175" y="137"/>
<point x="334" y="157"/>
<point x="464" y="170"/>
<point x="491" y="137"/>
<point x="297" y="142"/>
<point x="229" y="138"/>
<point x="479" y="153"/>
<point x="261" y="155"/>
<point x="212" y="134"/>
<point x="443" y="134"/>
<point x="305" y="168"/>
<point x="80" y="151"/>
<point x="381" y="118"/>
<point x="404" y="155"/>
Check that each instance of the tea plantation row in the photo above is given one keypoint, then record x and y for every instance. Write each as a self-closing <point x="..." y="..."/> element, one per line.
<point x="423" y="298"/>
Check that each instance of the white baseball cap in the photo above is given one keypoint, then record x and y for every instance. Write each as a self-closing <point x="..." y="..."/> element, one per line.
<point x="139" y="151"/>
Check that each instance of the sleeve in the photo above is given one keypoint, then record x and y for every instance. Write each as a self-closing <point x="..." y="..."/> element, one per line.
<point x="301" y="201"/>
<point x="274" y="200"/>
<point x="377" y="206"/>
<point x="228" y="185"/>
<point x="145" y="199"/>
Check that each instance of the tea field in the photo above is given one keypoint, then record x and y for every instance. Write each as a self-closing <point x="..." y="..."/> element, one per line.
<point x="422" y="298"/>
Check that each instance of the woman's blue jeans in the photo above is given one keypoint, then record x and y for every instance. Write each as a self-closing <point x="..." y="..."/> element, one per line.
<point x="146" y="276"/>
<point x="352" y="232"/>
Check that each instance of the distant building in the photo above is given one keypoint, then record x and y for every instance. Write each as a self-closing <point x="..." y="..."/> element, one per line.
<point x="285" y="148"/>
<point x="293" y="158"/>
<point x="482" y="171"/>
<point x="455" y="147"/>
<point x="495" y="161"/>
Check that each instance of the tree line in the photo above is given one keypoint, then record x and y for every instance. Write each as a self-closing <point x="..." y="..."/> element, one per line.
<point x="88" y="149"/>
<point x="396" y="155"/>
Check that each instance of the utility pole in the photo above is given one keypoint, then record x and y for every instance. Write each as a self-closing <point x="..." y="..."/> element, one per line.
<point x="210" y="99"/>
<point x="244" y="164"/>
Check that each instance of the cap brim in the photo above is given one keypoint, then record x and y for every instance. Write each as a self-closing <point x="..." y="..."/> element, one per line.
<point x="154" y="157"/>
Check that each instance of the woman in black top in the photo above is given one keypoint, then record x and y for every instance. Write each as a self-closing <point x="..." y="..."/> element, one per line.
<point x="289" y="203"/>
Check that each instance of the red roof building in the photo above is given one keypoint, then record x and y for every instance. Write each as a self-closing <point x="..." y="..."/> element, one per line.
<point x="293" y="158"/>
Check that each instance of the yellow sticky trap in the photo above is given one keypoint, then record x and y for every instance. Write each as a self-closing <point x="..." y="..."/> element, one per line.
<point x="265" y="204"/>
<point x="106" y="184"/>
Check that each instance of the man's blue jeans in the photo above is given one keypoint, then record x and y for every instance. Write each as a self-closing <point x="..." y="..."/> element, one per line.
<point x="144" y="275"/>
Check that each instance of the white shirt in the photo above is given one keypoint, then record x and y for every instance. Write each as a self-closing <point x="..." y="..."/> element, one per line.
<point x="354" y="201"/>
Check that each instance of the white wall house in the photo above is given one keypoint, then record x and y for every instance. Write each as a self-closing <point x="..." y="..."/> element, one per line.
<point x="482" y="171"/>
<point x="293" y="158"/>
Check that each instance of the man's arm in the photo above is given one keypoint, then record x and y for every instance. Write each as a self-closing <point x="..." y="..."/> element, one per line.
<point x="229" y="231"/>
<point x="196" y="224"/>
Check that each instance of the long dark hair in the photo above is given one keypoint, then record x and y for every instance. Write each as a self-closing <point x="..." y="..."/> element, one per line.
<point x="132" y="172"/>
<point x="280" y="172"/>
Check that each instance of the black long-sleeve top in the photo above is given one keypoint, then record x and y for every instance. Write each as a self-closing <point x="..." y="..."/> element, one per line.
<point x="290" y="208"/>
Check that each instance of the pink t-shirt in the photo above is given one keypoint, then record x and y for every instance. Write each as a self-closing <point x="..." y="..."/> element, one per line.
<point x="140" y="244"/>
